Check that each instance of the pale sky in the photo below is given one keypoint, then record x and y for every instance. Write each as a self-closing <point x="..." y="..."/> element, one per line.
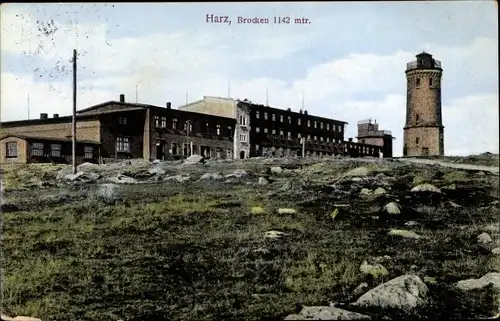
<point x="349" y="62"/>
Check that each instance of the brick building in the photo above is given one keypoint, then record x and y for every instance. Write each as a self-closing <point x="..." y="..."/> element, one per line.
<point x="368" y="133"/>
<point x="424" y="130"/>
<point x="117" y="130"/>
<point x="262" y="130"/>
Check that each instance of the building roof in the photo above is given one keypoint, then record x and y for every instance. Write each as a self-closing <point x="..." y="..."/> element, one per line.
<point x="250" y="104"/>
<point x="64" y="119"/>
<point x="33" y="137"/>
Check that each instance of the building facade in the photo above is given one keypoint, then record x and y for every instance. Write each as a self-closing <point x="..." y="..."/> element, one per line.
<point x="266" y="131"/>
<point x="368" y="133"/>
<point x="423" y="130"/>
<point x="118" y="130"/>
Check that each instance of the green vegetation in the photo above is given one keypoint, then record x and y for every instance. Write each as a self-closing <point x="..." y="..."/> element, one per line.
<point x="197" y="250"/>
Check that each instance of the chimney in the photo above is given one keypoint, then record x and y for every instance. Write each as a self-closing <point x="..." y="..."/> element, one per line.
<point x="56" y="116"/>
<point x="305" y="112"/>
<point x="44" y="116"/>
<point x="300" y="111"/>
<point x="122" y="98"/>
<point x="288" y="109"/>
<point x="169" y="105"/>
<point x="350" y="139"/>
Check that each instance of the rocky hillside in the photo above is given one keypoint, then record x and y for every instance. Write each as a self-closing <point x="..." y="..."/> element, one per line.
<point x="261" y="238"/>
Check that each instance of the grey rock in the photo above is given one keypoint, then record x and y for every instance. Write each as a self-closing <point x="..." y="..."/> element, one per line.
<point x="326" y="313"/>
<point x="496" y="251"/>
<point x="194" y="159"/>
<point x="276" y="170"/>
<point x="365" y="191"/>
<point x="404" y="233"/>
<point x="376" y="270"/>
<point x="360" y="289"/>
<point x="156" y="171"/>
<point x="484" y="238"/>
<point x="492" y="278"/>
<point x="426" y="188"/>
<point x="239" y="173"/>
<point x="358" y="172"/>
<point x="379" y="191"/>
<point x="405" y="292"/>
<point x="392" y="208"/>
<point x="178" y="178"/>
<point x="122" y="179"/>
<point x="214" y="176"/>
<point x="263" y="181"/>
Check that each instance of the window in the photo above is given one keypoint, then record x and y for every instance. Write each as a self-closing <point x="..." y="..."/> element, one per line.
<point x="12" y="150"/>
<point x="207" y="128"/>
<point x="185" y="150"/>
<point x="122" y="144"/>
<point x="187" y="126"/>
<point x="327" y="126"/>
<point x="265" y="116"/>
<point x="229" y="131"/>
<point x="328" y="139"/>
<point x="265" y="130"/>
<point x="321" y="125"/>
<point x="218" y="153"/>
<point x="243" y="138"/>
<point x="257" y="129"/>
<point x="299" y="135"/>
<point x="308" y="123"/>
<point x="418" y="81"/>
<point x="417" y="140"/>
<point x="299" y="122"/>
<point x="274" y="117"/>
<point x="340" y="129"/>
<point x="37" y="149"/>
<point x="174" y="149"/>
<point x="315" y="124"/>
<point x="55" y="150"/>
<point x="308" y="137"/>
<point x="243" y="121"/>
<point x="174" y="123"/>
<point x="229" y="153"/>
<point x="334" y="127"/>
<point x="157" y="121"/>
<point x="289" y="119"/>
<point x="164" y="122"/>
<point x="257" y="114"/>
<point x="274" y="132"/>
<point x="257" y="147"/>
<point x="430" y="81"/>
<point x="315" y="138"/>
<point x="122" y="120"/>
<point x="289" y="135"/>
<point x="321" y="139"/>
<point x="281" y="118"/>
<point x="281" y="134"/>
<point x="88" y="152"/>
<point x="218" y="130"/>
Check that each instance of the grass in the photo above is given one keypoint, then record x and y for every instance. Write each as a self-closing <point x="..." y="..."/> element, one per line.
<point x="198" y="250"/>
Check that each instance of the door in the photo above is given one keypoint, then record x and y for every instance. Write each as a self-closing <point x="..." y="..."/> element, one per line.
<point x="160" y="150"/>
<point x="242" y="154"/>
<point x="425" y="151"/>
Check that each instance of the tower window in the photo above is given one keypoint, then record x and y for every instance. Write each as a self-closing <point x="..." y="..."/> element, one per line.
<point x="417" y="140"/>
<point x="418" y="81"/>
<point x="430" y="81"/>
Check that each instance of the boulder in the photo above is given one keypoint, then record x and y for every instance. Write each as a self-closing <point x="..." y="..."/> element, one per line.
<point x="326" y="313"/>
<point x="263" y="181"/>
<point x="492" y="278"/>
<point x="239" y="173"/>
<point x="392" y="208"/>
<point x="405" y="234"/>
<point x="358" y="172"/>
<point x="426" y="188"/>
<point x="405" y="292"/>
<point x="214" y="176"/>
<point x="376" y="270"/>
<point x="276" y="170"/>
<point x="156" y="171"/>
<point x="194" y="159"/>
<point x="379" y="191"/>
<point x="122" y="179"/>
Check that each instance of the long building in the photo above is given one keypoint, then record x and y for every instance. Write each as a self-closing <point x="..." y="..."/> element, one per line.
<point x="212" y="127"/>
<point x="268" y="131"/>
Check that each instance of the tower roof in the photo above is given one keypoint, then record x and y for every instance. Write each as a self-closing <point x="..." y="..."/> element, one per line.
<point x="424" y="54"/>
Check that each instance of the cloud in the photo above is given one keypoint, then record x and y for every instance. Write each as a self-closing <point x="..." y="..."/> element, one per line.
<point x="164" y="65"/>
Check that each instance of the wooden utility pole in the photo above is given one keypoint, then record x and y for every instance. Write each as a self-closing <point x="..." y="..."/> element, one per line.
<point x="74" y="114"/>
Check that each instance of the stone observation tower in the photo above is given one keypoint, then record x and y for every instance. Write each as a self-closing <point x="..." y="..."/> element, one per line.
<point x="423" y="131"/>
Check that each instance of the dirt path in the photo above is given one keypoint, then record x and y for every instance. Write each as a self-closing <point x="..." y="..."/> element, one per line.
<point x="491" y="169"/>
